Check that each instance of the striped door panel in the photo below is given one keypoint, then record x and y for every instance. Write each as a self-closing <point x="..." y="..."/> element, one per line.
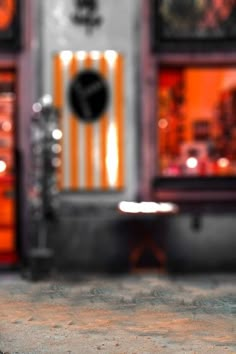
<point x="92" y="155"/>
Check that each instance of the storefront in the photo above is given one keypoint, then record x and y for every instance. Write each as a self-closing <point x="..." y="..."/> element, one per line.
<point x="146" y="102"/>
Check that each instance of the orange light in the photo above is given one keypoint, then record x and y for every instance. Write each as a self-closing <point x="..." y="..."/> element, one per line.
<point x="7" y="12"/>
<point x="6" y="126"/>
<point x="223" y="162"/>
<point x="3" y="166"/>
<point x="163" y="123"/>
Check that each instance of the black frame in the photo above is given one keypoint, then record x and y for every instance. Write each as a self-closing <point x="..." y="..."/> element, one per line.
<point x="184" y="45"/>
<point x="10" y="38"/>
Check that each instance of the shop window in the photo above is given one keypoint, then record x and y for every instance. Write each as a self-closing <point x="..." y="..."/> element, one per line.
<point x="7" y="166"/>
<point x="196" y="121"/>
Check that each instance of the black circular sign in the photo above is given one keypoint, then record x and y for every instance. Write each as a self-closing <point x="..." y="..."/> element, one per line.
<point x="88" y="95"/>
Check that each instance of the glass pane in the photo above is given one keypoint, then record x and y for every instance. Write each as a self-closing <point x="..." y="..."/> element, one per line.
<point x="197" y="19"/>
<point x="197" y="122"/>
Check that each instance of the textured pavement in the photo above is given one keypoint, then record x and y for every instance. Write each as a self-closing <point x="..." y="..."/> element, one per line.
<point x="137" y="313"/>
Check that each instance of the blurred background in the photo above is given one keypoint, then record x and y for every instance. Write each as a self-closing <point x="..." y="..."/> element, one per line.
<point x="118" y="135"/>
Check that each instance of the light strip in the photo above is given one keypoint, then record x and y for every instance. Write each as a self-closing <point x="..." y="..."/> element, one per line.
<point x="147" y="207"/>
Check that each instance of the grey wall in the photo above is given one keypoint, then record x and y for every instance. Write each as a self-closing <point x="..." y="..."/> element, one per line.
<point x="120" y="32"/>
<point x="104" y="243"/>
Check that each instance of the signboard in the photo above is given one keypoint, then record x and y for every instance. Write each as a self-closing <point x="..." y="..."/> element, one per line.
<point x="89" y="93"/>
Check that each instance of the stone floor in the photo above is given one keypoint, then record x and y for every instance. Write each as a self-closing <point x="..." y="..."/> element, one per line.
<point x="129" y="314"/>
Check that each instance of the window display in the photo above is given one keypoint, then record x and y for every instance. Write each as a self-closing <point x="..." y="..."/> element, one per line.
<point x="7" y="162"/>
<point x="10" y="18"/>
<point x="197" y="121"/>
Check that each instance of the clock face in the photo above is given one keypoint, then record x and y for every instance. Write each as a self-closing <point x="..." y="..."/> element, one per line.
<point x="7" y="13"/>
<point x="88" y="95"/>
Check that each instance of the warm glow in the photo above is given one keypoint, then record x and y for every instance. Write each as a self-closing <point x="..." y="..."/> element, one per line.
<point x="147" y="207"/>
<point x="6" y="126"/>
<point x="81" y="55"/>
<point x="66" y="56"/>
<point x="112" y="155"/>
<point x="3" y="166"/>
<point x="95" y="54"/>
<point x="195" y="120"/>
<point x="163" y="123"/>
<point x="111" y="56"/>
<point x="192" y="162"/>
<point x="57" y="134"/>
<point x="223" y="162"/>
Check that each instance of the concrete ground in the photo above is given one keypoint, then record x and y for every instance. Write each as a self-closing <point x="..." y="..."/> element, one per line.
<point x="130" y="314"/>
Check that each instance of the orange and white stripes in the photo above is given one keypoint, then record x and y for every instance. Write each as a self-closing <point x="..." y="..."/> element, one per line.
<point x="92" y="155"/>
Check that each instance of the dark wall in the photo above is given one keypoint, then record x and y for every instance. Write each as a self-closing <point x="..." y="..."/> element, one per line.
<point x="103" y="242"/>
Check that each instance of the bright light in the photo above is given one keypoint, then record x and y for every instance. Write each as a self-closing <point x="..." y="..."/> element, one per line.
<point x="129" y="207"/>
<point x="37" y="107"/>
<point x="6" y="126"/>
<point x="46" y="100"/>
<point x="81" y="55"/>
<point x="3" y="166"/>
<point x="111" y="56"/>
<point x="192" y="162"/>
<point x="163" y="123"/>
<point x="66" y="56"/>
<point x="95" y="54"/>
<point x="56" y="148"/>
<point x="147" y="207"/>
<point x="57" y="134"/>
<point x="223" y="162"/>
<point x="112" y="161"/>
<point x="167" y="207"/>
